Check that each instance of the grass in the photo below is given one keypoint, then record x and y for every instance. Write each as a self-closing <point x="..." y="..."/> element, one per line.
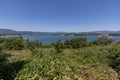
<point x="19" y="55"/>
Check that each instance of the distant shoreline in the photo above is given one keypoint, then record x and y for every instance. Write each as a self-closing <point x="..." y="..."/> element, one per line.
<point x="92" y="33"/>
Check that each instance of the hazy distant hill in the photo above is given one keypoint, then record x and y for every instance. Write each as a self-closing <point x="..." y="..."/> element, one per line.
<point x="106" y="32"/>
<point x="7" y="31"/>
<point x="10" y="31"/>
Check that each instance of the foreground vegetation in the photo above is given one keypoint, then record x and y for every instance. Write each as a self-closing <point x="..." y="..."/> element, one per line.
<point x="74" y="59"/>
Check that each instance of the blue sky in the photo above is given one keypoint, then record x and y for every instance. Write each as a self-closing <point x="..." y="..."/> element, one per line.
<point x="60" y="15"/>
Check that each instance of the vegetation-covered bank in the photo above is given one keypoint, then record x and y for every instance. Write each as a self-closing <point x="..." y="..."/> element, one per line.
<point x="74" y="59"/>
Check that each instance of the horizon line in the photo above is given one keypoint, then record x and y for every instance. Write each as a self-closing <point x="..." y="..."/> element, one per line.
<point x="62" y="31"/>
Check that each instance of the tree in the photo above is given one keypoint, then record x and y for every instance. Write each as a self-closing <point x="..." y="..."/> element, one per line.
<point x="104" y="39"/>
<point x="14" y="43"/>
<point x="76" y="43"/>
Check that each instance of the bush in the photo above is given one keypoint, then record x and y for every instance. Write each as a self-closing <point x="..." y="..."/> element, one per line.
<point x="115" y="62"/>
<point x="3" y="63"/>
<point x="58" y="46"/>
<point x="14" y="43"/>
<point x="37" y="52"/>
<point x="3" y="57"/>
<point x="33" y="44"/>
<point x="76" y="43"/>
<point x="104" y="39"/>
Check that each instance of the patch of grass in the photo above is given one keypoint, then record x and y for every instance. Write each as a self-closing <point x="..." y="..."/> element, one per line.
<point x="19" y="55"/>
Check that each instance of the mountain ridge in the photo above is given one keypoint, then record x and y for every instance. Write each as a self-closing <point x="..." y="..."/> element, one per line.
<point x="11" y="31"/>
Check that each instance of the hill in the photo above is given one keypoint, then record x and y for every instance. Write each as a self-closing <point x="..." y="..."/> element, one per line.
<point x="10" y="31"/>
<point x="7" y="31"/>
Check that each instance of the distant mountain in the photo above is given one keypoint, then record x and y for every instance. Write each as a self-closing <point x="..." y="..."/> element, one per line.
<point x="106" y="32"/>
<point x="7" y="31"/>
<point x="10" y="31"/>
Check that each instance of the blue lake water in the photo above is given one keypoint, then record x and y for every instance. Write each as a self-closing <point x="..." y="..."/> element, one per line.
<point x="46" y="39"/>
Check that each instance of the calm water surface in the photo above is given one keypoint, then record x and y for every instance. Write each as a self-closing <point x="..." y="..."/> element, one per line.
<point x="49" y="39"/>
<point x="46" y="39"/>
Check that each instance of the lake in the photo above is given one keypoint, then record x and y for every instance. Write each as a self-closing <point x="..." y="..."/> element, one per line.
<point x="46" y="39"/>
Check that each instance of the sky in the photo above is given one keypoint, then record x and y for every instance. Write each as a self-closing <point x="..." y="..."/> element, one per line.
<point x="60" y="15"/>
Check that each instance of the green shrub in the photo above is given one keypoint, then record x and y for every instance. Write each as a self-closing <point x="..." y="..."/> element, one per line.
<point x="58" y="46"/>
<point x="76" y="43"/>
<point x="3" y="63"/>
<point x="33" y="44"/>
<point x="104" y="39"/>
<point x="37" y="52"/>
<point x="14" y="43"/>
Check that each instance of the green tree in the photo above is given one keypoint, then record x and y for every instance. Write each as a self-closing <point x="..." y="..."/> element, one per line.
<point x="14" y="43"/>
<point x="76" y="43"/>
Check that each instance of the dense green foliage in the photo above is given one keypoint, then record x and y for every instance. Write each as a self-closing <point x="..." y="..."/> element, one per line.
<point x="3" y="56"/>
<point x="74" y="59"/>
<point x="115" y="60"/>
<point x="18" y="43"/>
<point x="12" y="43"/>
<point x="58" y="46"/>
<point x="76" y="43"/>
<point x="33" y="44"/>
<point x="3" y="63"/>
<point x="92" y="63"/>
